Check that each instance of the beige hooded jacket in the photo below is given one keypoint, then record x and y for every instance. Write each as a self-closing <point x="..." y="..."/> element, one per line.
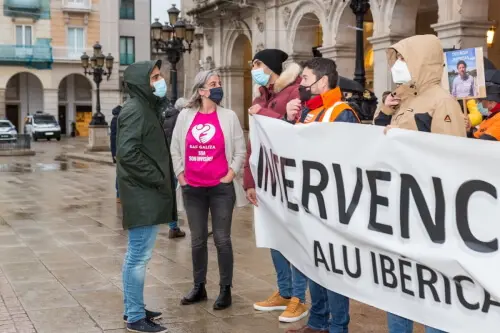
<point x="425" y="106"/>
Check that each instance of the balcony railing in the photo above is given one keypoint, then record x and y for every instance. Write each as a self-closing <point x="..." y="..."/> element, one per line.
<point x="68" y="54"/>
<point x="79" y="6"/>
<point x="34" y="55"/>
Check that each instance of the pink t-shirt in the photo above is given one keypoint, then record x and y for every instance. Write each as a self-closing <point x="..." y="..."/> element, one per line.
<point x="206" y="161"/>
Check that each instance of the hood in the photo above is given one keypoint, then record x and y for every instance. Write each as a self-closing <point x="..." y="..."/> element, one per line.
<point x="287" y="77"/>
<point x="116" y="110"/>
<point x="136" y="78"/>
<point x="424" y="56"/>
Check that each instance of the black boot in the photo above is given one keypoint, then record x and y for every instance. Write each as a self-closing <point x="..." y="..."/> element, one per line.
<point x="224" y="300"/>
<point x="196" y="295"/>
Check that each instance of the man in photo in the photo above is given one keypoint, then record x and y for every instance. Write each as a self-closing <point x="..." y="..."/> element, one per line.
<point x="464" y="84"/>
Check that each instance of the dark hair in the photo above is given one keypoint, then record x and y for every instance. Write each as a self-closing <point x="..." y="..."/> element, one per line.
<point x="384" y="95"/>
<point x="461" y="62"/>
<point x="323" y="66"/>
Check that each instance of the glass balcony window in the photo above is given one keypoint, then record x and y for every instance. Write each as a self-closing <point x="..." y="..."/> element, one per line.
<point x="32" y="5"/>
<point x="127" y="59"/>
<point x="36" y="9"/>
<point x="38" y="55"/>
<point x="127" y="50"/>
<point x="127" y="9"/>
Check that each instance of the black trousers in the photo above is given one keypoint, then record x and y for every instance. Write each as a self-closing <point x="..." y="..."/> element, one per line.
<point x="220" y="201"/>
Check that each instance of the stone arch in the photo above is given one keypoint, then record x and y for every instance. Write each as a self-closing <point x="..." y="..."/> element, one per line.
<point x="342" y="21"/>
<point x="238" y="74"/>
<point x="469" y="10"/>
<point x="230" y="40"/>
<point x="4" y="79"/>
<point x="400" y="16"/>
<point x="375" y="7"/>
<point x="24" y="94"/>
<point x="75" y="103"/>
<point x="306" y="14"/>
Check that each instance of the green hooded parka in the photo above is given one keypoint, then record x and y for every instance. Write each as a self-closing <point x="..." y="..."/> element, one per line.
<point x="144" y="166"/>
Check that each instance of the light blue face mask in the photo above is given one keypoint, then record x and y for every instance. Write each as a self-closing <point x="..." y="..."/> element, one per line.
<point x="484" y="111"/>
<point x="261" y="78"/>
<point x="160" y="88"/>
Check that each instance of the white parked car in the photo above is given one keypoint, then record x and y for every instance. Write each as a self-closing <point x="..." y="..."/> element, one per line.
<point x="42" y="126"/>
<point x="7" y="131"/>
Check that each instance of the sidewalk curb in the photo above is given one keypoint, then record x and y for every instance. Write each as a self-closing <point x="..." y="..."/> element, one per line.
<point x="88" y="158"/>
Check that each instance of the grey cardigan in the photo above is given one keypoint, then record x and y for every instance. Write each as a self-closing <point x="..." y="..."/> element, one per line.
<point x="234" y="144"/>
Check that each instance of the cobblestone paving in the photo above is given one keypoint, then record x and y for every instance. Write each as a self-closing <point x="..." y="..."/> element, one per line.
<point x="62" y="246"/>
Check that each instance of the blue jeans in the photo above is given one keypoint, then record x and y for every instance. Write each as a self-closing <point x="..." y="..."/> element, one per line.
<point x="291" y="282"/>
<point x="399" y="324"/>
<point x="326" y="302"/>
<point x="141" y="241"/>
<point x="116" y="187"/>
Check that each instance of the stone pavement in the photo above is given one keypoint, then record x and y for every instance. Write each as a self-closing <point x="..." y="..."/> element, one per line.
<point x="62" y="246"/>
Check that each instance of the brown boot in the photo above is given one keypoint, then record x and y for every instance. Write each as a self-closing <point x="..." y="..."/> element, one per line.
<point x="305" y="329"/>
<point x="176" y="233"/>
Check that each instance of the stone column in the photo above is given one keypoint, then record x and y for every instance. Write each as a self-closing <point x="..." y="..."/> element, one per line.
<point x="298" y="57"/>
<point x="463" y="34"/>
<point x="382" y="73"/>
<point x="2" y="103"/>
<point x="50" y="101"/>
<point x="344" y="56"/>
<point x="234" y="95"/>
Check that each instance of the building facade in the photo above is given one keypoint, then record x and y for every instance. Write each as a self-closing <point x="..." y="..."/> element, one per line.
<point x="234" y="30"/>
<point x="40" y="50"/>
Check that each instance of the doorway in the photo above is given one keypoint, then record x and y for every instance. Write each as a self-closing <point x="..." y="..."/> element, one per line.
<point x="62" y="118"/>
<point x="12" y="113"/>
<point x="83" y="119"/>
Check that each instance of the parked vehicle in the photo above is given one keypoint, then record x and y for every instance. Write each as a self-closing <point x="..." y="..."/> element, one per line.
<point x="8" y="131"/>
<point x="42" y="126"/>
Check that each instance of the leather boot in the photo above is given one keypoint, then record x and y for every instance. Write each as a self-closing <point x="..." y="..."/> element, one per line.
<point x="224" y="300"/>
<point x="196" y="295"/>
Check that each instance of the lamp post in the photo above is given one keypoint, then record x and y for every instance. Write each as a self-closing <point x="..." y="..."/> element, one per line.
<point x="360" y="8"/>
<point x="94" y="66"/>
<point x="170" y="39"/>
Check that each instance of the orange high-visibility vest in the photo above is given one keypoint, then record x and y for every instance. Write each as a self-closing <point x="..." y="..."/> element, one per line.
<point x="328" y="115"/>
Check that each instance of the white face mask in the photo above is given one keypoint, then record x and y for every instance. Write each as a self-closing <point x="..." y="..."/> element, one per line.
<point x="400" y="72"/>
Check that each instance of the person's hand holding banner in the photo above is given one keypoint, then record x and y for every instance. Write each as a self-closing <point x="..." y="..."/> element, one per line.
<point x="252" y="197"/>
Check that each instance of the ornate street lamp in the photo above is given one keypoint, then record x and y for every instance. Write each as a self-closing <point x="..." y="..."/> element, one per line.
<point x="170" y="39"/>
<point x="98" y="66"/>
<point x="360" y="8"/>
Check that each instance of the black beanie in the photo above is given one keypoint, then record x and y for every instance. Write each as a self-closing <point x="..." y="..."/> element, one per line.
<point x="272" y="58"/>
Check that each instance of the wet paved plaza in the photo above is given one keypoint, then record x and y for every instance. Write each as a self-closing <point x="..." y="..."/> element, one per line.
<point x="62" y="247"/>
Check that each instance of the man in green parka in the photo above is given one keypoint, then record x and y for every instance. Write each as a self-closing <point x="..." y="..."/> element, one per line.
<point x="146" y="184"/>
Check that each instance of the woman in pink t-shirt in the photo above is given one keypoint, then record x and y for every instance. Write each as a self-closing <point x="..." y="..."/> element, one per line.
<point x="208" y="150"/>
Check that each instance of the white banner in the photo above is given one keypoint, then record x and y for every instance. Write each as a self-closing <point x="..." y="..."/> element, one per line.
<point x="407" y="222"/>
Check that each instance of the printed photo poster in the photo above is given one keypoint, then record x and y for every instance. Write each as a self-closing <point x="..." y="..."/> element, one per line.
<point x="464" y="73"/>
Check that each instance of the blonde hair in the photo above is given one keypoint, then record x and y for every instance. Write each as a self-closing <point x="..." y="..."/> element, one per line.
<point x="200" y="80"/>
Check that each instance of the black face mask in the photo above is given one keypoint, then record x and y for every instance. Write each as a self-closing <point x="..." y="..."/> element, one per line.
<point x="305" y="93"/>
<point x="216" y="95"/>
